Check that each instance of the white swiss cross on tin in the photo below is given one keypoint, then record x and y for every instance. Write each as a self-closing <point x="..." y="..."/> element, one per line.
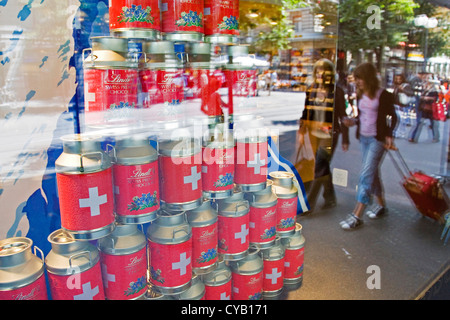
<point x="93" y="202"/>
<point x="257" y="163"/>
<point x="194" y="178"/>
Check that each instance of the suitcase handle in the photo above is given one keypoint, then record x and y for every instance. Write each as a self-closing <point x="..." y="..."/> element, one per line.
<point x="405" y="171"/>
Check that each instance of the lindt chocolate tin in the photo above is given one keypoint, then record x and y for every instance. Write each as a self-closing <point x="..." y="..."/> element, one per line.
<point x="287" y="194"/>
<point x="218" y="163"/>
<point x="136" y="180"/>
<point x="221" y="21"/>
<point x="233" y="222"/>
<point x="161" y="76"/>
<point x="218" y="282"/>
<point x="170" y="252"/>
<point x="110" y="83"/>
<point x="135" y="18"/>
<point x="21" y="272"/>
<point x="263" y="216"/>
<point x="182" y="20"/>
<point x="294" y="257"/>
<point x="203" y="221"/>
<point x="123" y="256"/>
<point x="180" y="163"/>
<point x="73" y="268"/>
<point x="247" y="275"/>
<point x="273" y="260"/>
<point x="251" y="156"/>
<point x="85" y="187"/>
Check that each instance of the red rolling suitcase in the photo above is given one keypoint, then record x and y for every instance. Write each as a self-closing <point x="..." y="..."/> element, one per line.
<point x="426" y="192"/>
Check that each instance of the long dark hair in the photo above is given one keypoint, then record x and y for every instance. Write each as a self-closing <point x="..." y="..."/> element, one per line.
<point x="368" y="73"/>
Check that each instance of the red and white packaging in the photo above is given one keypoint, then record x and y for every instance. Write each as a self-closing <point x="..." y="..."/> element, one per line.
<point x="181" y="176"/>
<point x="162" y="86"/>
<point x="34" y="291"/>
<point x="86" y="200"/>
<point x="233" y="234"/>
<point x="262" y="225"/>
<point x="171" y="264"/>
<point x="251" y="163"/>
<point x="294" y="263"/>
<point x="182" y="16"/>
<point x="247" y="275"/>
<point x="221" y="17"/>
<point x="286" y="214"/>
<point x="134" y="14"/>
<point x="86" y="285"/>
<point x="124" y="276"/>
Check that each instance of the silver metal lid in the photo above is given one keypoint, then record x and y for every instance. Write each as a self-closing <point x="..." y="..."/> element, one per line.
<point x="82" y="154"/>
<point x="250" y="265"/>
<point x="195" y="292"/>
<point x="179" y="147"/>
<point x="68" y="255"/>
<point x="134" y="150"/>
<point x="262" y="199"/>
<point x="283" y="184"/>
<point x="275" y="252"/>
<point x="204" y="215"/>
<point x="18" y="265"/>
<point x="125" y="239"/>
<point x="222" y="39"/>
<point x="109" y="53"/>
<point x="15" y="251"/>
<point x="170" y="228"/>
<point x="219" y="276"/>
<point x="184" y="36"/>
<point x="234" y="206"/>
<point x="109" y="43"/>
<point x="296" y="240"/>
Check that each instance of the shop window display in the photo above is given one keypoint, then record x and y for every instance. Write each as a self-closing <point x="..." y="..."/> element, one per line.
<point x="153" y="120"/>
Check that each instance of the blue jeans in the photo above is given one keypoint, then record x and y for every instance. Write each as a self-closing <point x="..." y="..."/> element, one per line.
<point x="369" y="178"/>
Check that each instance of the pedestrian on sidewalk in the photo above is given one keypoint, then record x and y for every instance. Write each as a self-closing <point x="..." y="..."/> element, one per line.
<point x="323" y="127"/>
<point x="376" y="121"/>
<point x="429" y="95"/>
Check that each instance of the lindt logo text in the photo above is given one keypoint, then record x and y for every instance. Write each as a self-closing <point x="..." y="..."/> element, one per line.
<point x="117" y="78"/>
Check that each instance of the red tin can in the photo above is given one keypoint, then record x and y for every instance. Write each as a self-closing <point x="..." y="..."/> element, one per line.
<point x="180" y="163"/>
<point x="170" y="252"/>
<point x="263" y="216"/>
<point x="110" y="83"/>
<point x="233" y="222"/>
<point x="287" y="195"/>
<point x="123" y="256"/>
<point x="273" y="260"/>
<point x="21" y="272"/>
<point x="203" y="221"/>
<point x="294" y="257"/>
<point x="247" y="275"/>
<point x="135" y="19"/>
<point x="73" y="268"/>
<point x="251" y="159"/>
<point x="218" y="163"/>
<point x="162" y="75"/>
<point x="221" y="21"/>
<point x="218" y="283"/>
<point x="85" y="188"/>
<point x="182" y="20"/>
<point x="136" y="180"/>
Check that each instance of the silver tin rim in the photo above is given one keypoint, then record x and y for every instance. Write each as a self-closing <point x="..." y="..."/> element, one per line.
<point x="185" y="206"/>
<point x="235" y="256"/>
<point x="127" y="232"/>
<point x="184" y="36"/>
<point x="252" y="187"/>
<point x="173" y="290"/>
<point x="222" y="39"/>
<point x="213" y="195"/>
<point x="202" y="216"/>
<point x="87" y="235"/>
<point x="136" y="33"/>
<point x="138" y="219"/>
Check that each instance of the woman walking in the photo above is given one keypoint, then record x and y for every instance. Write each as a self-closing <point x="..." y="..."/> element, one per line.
<point x="376" y="121"/>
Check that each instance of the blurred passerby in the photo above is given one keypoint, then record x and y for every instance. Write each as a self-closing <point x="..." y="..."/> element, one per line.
<point x="322" y="127"/>
<point x="403" y="100"/>
<point x="375" y="122"/>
